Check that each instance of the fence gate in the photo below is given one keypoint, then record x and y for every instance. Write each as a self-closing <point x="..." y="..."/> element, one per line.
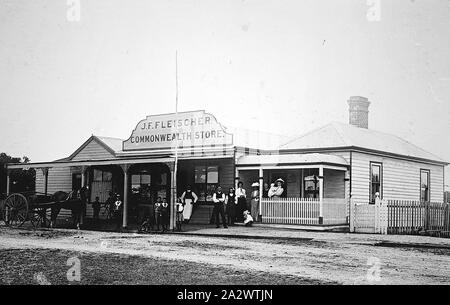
<point x="368" y="218"/>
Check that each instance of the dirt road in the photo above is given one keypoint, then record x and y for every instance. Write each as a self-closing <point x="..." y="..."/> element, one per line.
<point x="317" y="257"/>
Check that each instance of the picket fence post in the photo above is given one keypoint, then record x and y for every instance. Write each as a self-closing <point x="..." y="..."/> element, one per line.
<point x="352" y="215"/>
<point x="377" y="212"/>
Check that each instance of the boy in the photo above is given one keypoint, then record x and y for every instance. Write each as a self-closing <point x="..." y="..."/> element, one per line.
<point x="165" y="214"/>
<point x="118" y="213"/>
<point x="179" y="209"/>
<point x="158" y="212"/>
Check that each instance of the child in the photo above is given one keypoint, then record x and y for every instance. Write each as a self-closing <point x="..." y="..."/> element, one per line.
<point x="158" y="212"/>
<point x="165" y="214"/>
<point x="96" y="207"/>
<point x="180" y="218"/>
<point x="248" y="219"/>
<point x="147" y="224"/>
<point x="118" y="212"/>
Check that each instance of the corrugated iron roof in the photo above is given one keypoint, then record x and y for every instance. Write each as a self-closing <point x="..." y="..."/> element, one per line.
<point x="314" y="158"/>
<point x="114" y="143"/>
<point x="335" y="135"/>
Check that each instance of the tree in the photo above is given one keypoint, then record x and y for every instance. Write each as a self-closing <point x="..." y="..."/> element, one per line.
<point x="20" y="180"/>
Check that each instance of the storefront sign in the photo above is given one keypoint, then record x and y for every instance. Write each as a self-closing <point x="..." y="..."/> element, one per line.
<point x="188" y="129"/>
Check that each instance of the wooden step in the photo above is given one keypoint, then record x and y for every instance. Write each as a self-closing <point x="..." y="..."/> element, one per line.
<point x="201" y="214"/>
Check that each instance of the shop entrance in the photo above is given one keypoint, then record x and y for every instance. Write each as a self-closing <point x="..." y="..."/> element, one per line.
<point x="104" y="181"/>
<point x="204" y="175"/>
<point x="147" y="182"/>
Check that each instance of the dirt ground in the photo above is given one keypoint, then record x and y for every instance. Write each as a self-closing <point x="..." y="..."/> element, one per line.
<point x="267" y="256"/>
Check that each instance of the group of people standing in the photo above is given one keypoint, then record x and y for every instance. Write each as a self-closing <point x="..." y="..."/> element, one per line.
<point x="158" y="216"/>
<point x="234" y="206"/>
<point x="230" y="207"/>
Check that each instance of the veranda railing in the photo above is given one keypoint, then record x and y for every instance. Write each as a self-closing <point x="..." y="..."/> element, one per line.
<point x="304" y="211"/>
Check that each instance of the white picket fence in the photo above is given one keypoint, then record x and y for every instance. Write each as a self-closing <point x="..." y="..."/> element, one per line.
<point x="335" y="211"/>
<point x="304" y="211"/>
<point x="369" y="218"/>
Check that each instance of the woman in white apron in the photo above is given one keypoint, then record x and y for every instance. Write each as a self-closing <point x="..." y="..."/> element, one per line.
<point x="188" y="198"/>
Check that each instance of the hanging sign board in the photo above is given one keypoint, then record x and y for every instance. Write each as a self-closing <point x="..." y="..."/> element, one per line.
<point x="188" y="129"/>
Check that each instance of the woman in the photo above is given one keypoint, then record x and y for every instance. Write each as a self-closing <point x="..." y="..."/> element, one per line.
<point x="231" y="207"/>
<point x="254" y="204"/>
<point x="276" y="190"/>
<point x="241" y="200"/>
<point x="188" y="198"/>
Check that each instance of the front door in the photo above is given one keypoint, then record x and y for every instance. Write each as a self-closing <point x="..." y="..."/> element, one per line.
<point x="101" y="185"/>
<point x="76" y="181"/>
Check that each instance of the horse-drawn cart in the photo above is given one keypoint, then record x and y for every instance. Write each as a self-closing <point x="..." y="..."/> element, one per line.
<point x="33" y="206"/>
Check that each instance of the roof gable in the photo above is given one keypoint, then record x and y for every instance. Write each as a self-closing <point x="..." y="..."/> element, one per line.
<point x="336" y="135"/>
<point x="95" y="148"/>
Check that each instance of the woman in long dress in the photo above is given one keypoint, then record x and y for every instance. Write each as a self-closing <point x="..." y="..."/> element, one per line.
<point x="188" y="198"/>
<point x="254" y="204"/>
<point x="241" y="201"/>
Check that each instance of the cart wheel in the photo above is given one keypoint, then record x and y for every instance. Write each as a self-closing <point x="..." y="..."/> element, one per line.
<point x="37" y="218"/>
<point x="15" y="210"/>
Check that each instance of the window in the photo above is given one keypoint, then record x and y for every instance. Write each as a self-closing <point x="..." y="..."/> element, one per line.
<point x="376" y="172"/>
<point x="206" y="180"/>
<point x="139" y="181"/>
<point x="311" y="183"/>
<point x="100" y="175"/>
<point x="424" y="185"/>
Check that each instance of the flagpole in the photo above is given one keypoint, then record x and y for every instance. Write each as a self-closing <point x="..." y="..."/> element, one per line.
<point x="175" y="171"/>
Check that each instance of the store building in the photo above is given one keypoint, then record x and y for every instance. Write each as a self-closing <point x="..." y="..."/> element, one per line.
<point x="326" y="166"/>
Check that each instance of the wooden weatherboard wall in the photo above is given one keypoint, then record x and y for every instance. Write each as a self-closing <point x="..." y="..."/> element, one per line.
<point x="59" y="179"/>
<point x="400" y="178"/>
<point x="333" y="184"/>
<point x="92" y="151"/>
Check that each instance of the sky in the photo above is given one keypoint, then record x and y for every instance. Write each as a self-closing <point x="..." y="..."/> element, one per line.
<point x="284" y="67"/>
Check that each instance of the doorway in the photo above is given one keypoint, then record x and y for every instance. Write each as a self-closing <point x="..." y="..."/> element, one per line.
<point x="76" y="181"/>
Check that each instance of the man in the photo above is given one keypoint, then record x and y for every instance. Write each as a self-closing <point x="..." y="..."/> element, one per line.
<point x="265" y="193"/>
<point x="158" y="212"/>
<point x="188" y="199"/>
<point x="118" y="213"/>
<point x="219" y="201"/>
<point x="84" y="196"/>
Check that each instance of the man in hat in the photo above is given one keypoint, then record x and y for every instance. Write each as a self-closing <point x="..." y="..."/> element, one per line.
<point x="276" y="190"/>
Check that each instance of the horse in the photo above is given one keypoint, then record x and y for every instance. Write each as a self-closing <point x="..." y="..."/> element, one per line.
<point x="76" y="207"/>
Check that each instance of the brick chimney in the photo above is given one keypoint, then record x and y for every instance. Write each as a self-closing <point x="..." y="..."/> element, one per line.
<point x="358" y="111"/>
